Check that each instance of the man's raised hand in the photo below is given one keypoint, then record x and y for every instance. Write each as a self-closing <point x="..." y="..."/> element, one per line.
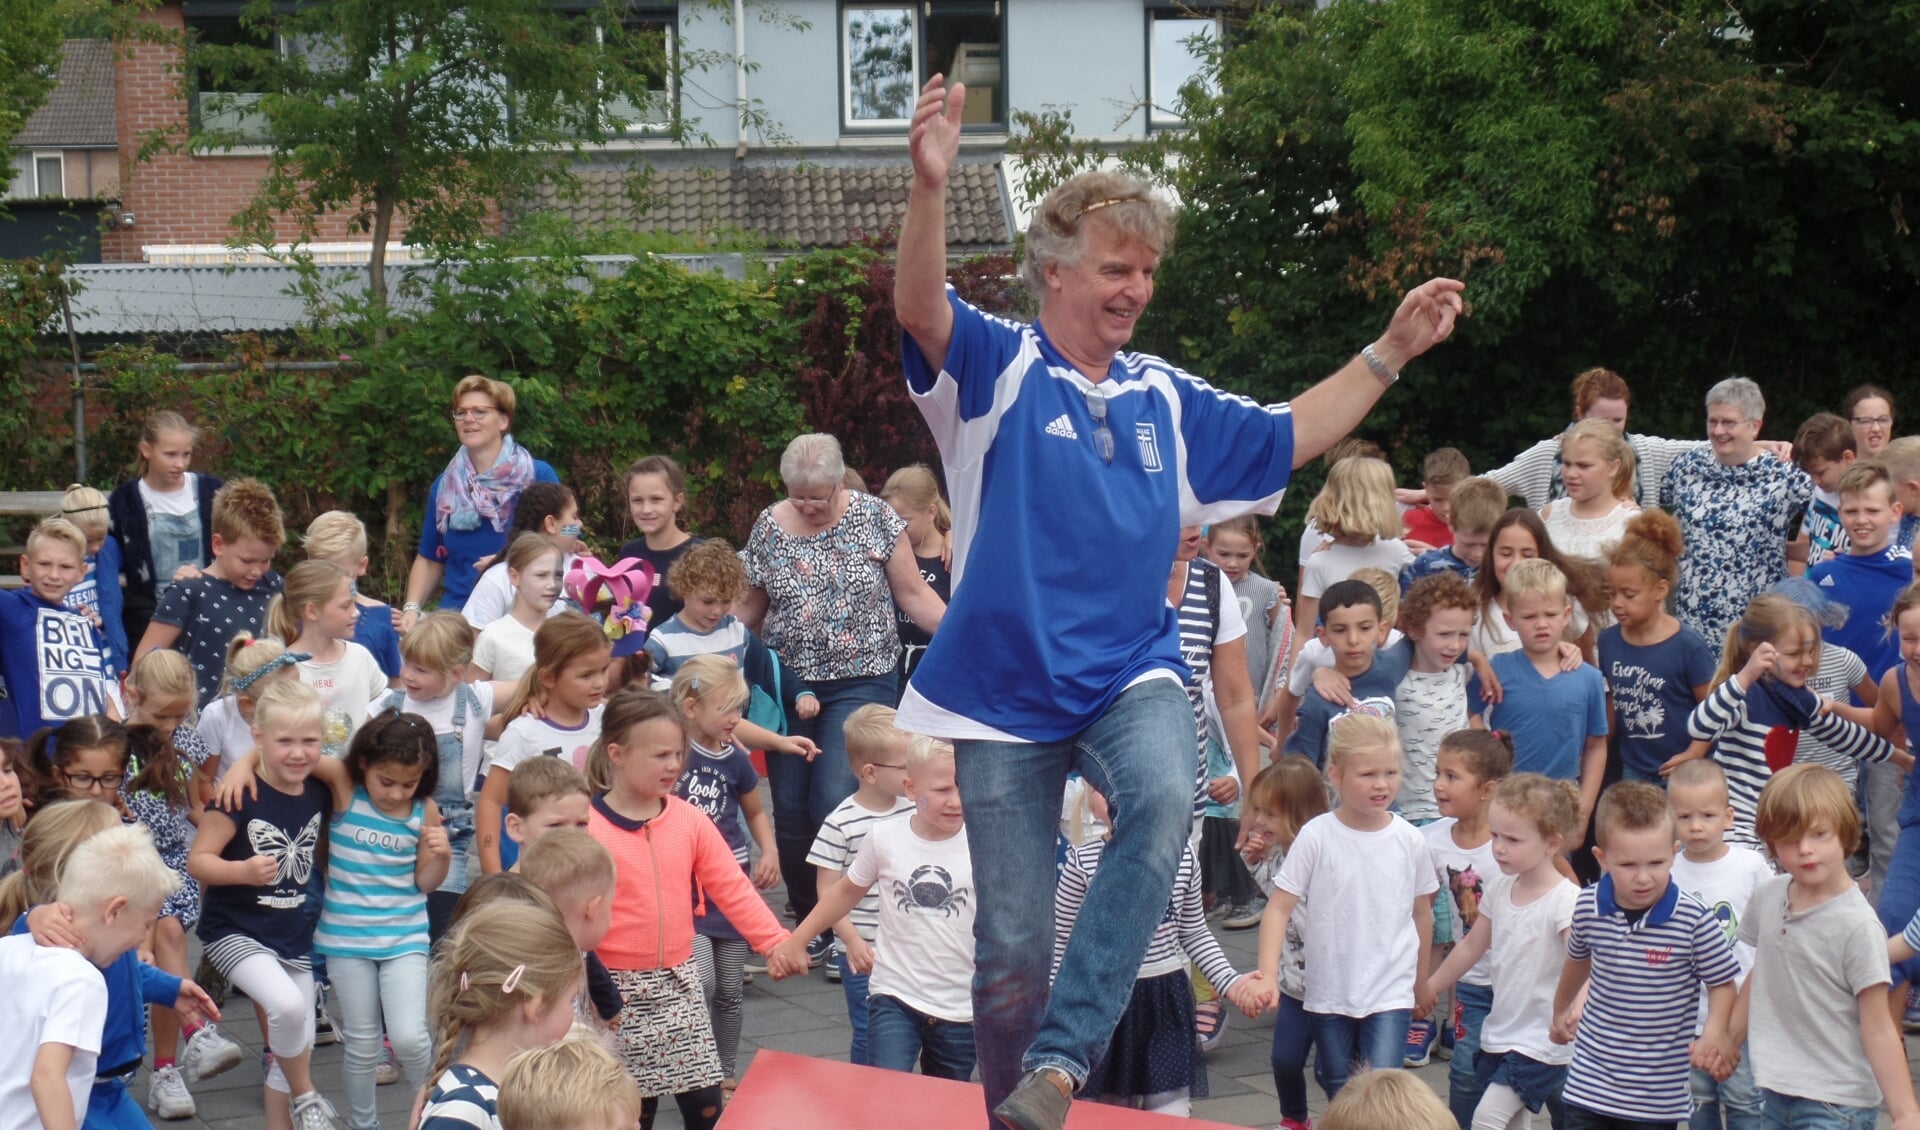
<point x="934" y="139"/>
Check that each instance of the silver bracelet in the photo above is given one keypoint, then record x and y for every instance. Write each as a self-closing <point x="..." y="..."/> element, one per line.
<point x="1387" y="376"/>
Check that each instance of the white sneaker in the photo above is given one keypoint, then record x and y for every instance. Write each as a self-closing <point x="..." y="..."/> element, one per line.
<point x="208" y="1054"/>
<point x="325" y="1031"/>
<point x="312" y="1111"/>
<point x="386" y="1073"/>
<point x="167" y="1095"/>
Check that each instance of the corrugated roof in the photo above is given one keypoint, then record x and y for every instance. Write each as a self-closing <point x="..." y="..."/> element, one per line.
<point x="129" y="299"/>
<point x="804" y="206"/>
<point x="79" y="113"/>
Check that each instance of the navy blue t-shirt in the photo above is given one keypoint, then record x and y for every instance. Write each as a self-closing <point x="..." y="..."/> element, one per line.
<point x="280" y="916"/>
<point x="209" y="612"/>
<point x="714" y="783"/>
<point x="1652" y="691"/>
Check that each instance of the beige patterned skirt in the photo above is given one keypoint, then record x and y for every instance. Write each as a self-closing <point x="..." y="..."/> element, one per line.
<point x="666" y="1040"/>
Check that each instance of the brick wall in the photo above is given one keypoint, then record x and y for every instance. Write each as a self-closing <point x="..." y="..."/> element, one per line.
<point x="178" y="197"/>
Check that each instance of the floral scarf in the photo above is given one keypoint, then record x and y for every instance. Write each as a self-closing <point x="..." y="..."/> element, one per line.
<point x="467" y="496"/>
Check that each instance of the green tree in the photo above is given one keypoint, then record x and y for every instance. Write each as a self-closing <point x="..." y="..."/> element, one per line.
<point x="1665" y="189"/>
<point x="441" y="112"/>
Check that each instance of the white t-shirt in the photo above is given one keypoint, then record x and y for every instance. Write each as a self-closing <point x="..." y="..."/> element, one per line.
<point x="1314" y="655"/>
<point x="186" y="500"/>
<point x="439" y="714"/>
<point x="346" y="686"/>
<point x="535" y="737"/>
<point x="1463" y="875"/>
<point x="923" y="955"/>
<point x="504" y="649"/>
<point x="1726" y="886"/>
<point x="1359" y="887"/>
<point x="1337" y="562"/>
<point x="1427" y="706"/>
<point x="1527" y="954"/>
<point x="53" y="996"/>
<point x="1501" y="638"/>
<point x="227" y="734"/>
<point x="492" y="596"/>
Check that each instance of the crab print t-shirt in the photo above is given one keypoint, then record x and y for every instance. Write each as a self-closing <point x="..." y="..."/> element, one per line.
<point x="1463" y="874"/>
<point x="1735" y="520"/>
<point x="830" y="610"/>
<point x="923" y="956"/>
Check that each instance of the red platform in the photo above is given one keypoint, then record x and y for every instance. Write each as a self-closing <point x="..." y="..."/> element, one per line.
<point x="795" y="1092"/>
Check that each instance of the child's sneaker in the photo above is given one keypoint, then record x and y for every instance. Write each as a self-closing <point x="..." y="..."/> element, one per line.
<point x="208" y="1054"/>
<point x="1421" y="1036"/>
<point x="1209" y="1024"/>
<point x="1911" y="1019"/>
<point x="167" y="1095"/>
<point x="325" y="1032"/>
<point x="1294" y="1124"/>
<point x="386" y="1072"/>
<point x="1246" y="915"/>
<point x="834" y="957"/>
<point x="818" y="949"/>
<point x="312" y="1111"/>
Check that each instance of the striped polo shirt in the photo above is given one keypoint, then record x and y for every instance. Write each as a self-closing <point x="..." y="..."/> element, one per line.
<point x="1630" y="1056"/>
<point x="373" y="908"/>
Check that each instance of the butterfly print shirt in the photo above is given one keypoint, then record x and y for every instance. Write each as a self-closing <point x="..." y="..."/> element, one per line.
<point x="278" y="916"/>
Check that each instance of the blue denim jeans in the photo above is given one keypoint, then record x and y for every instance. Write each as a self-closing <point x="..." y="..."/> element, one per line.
<point x="1347" y="1043"/>
<point x="1292" y="1040"/>
<point x="1784" y="1112"/>
<point x="1463" y="1083"/>
<point x="805" y="792"/>
<point x="899" y="1035"/>
<point x="1738" y="1098"/>
<point x="1139" y="754"/>
<point x="855" y="985"/>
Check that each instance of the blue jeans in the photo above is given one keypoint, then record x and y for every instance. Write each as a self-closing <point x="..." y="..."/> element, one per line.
<point x="855" y="985"/>
<point x="899" y="1035"/>
<point x="377" y="996"/>
<point x="806" y="792"/>
<point x="1292" y="1040"/>
<point x="1139" y="754"/>
<point x="1738" y="1097"/>
<point x="1463" y="1083"/>
<point x="1348" y="1042"/>
<point x="1784" y="1112"/>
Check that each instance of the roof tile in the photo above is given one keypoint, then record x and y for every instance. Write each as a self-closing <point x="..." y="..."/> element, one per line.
<point x="79" y="112"/>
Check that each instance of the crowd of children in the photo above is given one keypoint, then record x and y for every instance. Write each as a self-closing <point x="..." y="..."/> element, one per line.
<point x="1479" y="788"/>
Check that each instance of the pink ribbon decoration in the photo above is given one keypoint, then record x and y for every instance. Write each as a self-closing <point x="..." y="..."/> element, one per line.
<point x="623" y="587"/>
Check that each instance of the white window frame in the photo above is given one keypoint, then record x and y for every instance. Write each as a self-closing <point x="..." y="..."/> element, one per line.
<point x="847" y="121"/>
<point x="26" y="174"/>
<point x="669" y="23"/>
<point x="1159" y="117"/>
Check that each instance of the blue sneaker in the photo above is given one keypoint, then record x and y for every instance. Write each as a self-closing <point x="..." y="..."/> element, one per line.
<point x="1421" y="1036"/>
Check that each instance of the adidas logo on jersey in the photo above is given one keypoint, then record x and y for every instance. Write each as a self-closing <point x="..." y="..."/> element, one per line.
<point x="1062" y="427"/>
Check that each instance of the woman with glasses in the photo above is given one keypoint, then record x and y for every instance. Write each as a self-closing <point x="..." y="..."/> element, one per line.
<point x="1869" y="408"/>
<point x="470" y="506"/>
<point x="1072" y="466"/>
<point x="825" y="569"/>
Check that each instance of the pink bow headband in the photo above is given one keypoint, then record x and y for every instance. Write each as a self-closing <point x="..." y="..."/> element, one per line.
<point x="622" y="587"/>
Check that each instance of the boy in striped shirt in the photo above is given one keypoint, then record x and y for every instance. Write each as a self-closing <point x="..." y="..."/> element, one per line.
<point x="877" y="750"/>
<point x="1644" y="949"/>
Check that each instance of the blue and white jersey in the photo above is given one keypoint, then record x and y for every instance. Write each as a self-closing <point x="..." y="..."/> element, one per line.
<point x="1060" y="558"/>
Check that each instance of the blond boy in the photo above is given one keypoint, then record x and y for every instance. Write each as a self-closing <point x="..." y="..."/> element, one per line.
<point x="576" y="872"/>
<point x="877" y="751"/>
<point x="545" y="794"/>
<point x="573" y="1085"/>
<point x="1473" y="507"/>
<point x="55" y="663"/>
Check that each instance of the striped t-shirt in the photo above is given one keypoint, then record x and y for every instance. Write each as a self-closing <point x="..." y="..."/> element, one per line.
<point x="462" y="1099"/>
<point x="1630" y="1055"/>
<point x="1209" y="615"/>
<point x="374" y="907"/>
<point x="1756" y="732"/>
<point x="1182" y="932"/>
<point x="838" y="841"/>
